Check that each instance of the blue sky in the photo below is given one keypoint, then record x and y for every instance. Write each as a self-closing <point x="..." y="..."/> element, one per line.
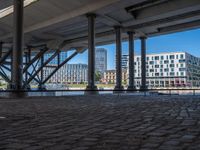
<point x="188" y="41"/>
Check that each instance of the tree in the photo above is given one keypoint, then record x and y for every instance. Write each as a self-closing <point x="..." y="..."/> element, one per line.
<point x="97" y="76"/>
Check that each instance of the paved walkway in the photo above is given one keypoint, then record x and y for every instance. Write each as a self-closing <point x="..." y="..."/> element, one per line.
<point x="101" y="123"/>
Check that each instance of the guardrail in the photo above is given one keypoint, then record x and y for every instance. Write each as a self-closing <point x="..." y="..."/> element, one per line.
<point x="148" y="92"/>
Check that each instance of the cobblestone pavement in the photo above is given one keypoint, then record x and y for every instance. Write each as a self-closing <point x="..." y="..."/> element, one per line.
<point x="105" y="122"/>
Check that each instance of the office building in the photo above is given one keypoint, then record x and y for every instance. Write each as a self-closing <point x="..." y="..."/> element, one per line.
<point x="101" y="60"/>
<point x="68" y="74"/>
<point x="169" y="70"/>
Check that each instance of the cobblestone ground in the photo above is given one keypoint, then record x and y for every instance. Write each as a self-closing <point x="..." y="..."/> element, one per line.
<point x="104" y="122"/>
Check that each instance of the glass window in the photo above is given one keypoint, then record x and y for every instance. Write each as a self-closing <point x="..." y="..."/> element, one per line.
<point x="151" y="62"/>
<point x="156" y="57"/>
<point x="166" y="62"/>
<point x="182" y="69"/>
<point x="151" y="70"/>
<point x="181" y="60"/>
<point x="166" y="69"/>
<point x="156" y="74"/>
<point x="182" y="56"/>
<point x="161" y="57"/>
<point x="171" y="56"/>
<point x="171" y="65"/>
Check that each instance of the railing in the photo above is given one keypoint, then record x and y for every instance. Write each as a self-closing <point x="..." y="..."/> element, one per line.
<point x="149" y="92"/>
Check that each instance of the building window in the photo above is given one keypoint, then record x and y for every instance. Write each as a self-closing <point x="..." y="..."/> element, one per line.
<point x="182" y="69"/>
<point x="166" y="61"/>
<point x="181" y="56"/>
<point x="156" y="57"/>
<point x="166" y="69"/>
<point x="156" y="74"/>
<point x="171" y="57"/>
<point x="182" y="73"/>
<point x="151" y="62"/>
<point x="171" y="65"/>
<point x="161" y="57"/>
<point x="151" y="70"/>
<point x="181" y="60"/>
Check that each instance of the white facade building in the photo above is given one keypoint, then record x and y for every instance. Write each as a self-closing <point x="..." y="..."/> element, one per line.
<point x="69" y="73"/>
<point x="169" y="70"/>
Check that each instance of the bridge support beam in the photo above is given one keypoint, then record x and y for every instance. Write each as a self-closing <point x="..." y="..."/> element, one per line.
<point x="41" y="85"/>
<point x="118" y="86"/>
<point x="143" y="64"/>
<point x="131" y="86"/>
<point x="91" y="87"/>
<point x="17" y="54"/>
<point x="1" y="49"/>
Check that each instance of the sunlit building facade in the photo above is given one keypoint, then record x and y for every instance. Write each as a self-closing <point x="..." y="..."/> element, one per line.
<point x="68" y="74"/>
<point x="177" y="69"/>
<point x="101" y="60"/>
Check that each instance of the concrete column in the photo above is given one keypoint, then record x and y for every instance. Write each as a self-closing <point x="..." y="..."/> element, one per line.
<point x="1" y="49"/>
<point x="91" y="52"/>
<point x="118" y="59"/>
<point x="17" y="54"/>
<point x="143" y="63"/>
<point x="131" y="62"/>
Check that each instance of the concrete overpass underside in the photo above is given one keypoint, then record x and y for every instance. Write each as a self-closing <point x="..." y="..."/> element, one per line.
<point x="83" y="24"/>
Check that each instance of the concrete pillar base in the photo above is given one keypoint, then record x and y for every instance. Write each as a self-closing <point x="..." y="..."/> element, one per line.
<point x="17" y="94"/>
<point x="131" y="89"/>
<point x="42" y="87"/>
<point x="143" y="88"/>
<point x="118" y="88"/>
<point x="91" y="90"/>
